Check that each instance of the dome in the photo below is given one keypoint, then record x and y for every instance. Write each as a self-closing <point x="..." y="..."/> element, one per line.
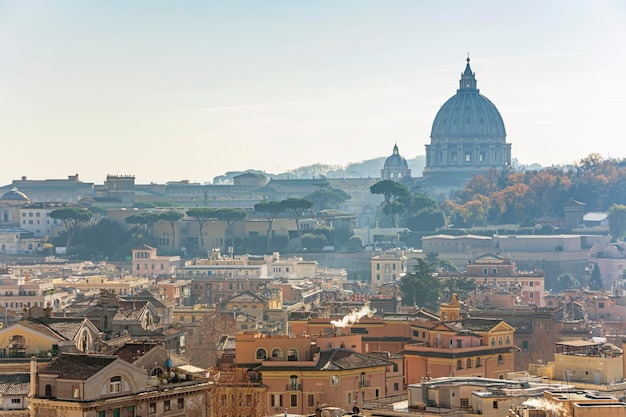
<point x="396" y="160"/>
<point x="14" y="195"/>
<point x="468" y="115"/>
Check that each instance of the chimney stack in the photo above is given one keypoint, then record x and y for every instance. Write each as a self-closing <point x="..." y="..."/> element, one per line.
<point x="33" y="377"/>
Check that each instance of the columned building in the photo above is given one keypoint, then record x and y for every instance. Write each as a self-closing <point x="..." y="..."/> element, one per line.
<point x="467" y="137"/>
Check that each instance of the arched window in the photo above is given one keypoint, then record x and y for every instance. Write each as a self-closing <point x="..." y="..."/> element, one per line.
<point x="469" y="363"/>
<point x="500" y="361"/>
<point x="84" y="341"/>
<point x="493" y="341"/>
<point x="478" y="364"/>
<point x="508" y="340"/>
<point x="277" y="353"/>
<point x="48" y="390"/>
<point x="500" y="341"/>
<point x="261" y="354"/>
<point x="292" y="354"/>
<point x="459" y="364"/>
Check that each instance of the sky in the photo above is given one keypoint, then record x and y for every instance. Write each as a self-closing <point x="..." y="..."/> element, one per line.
<point x="170" y="91"/>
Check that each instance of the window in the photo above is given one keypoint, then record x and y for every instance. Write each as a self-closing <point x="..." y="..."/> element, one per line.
<point x="459" y="364"/>
<point x="464" y="402"/>
<point x="181" y="404"/>
<point x="115" y="385"/>
<point x="500" y="341"/>
<point x="261" y="354"/>
<point x="524" y="345"/>
<point x="396" y="386"/>
<point x="152" y="408"/>
<point x="495" y="405"/>
<point x="276" y="400"/>
<point x="293" y="401"/>
<point x="531" y="283"/>
<point x="469" y="363"/>
<point x="493" y="341"/>
<point x="508" y="340"/>
<point x="292" y="354"/>
<point x="48" y="390"/>
<point x="459" y="343"/>
<point x="494" y="271"/>
<point x="485" y="271"/>
<point x="334" y="380"/>
<point x="166" y="405"/>
<point x="277" y="353"/>
<point x="531" y="295"/>
<point x="16" y="400"/>
<point x="500" y="361"/>
<point x="310" y="400"/>
<point x="478" y="364"/>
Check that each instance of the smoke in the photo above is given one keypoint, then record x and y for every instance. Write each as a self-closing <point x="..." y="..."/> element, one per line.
<point x="552" y="409"/>
<point x="353" y="317"/>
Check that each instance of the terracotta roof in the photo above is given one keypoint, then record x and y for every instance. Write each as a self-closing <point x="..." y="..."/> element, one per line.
<point x="78" y="366"/>
<point x="66" y="327"/>
<point x="130" y="310"/>
<point x="340" y="359"/>
<point x="130" y="352"/>
<point x="14" y="384"/>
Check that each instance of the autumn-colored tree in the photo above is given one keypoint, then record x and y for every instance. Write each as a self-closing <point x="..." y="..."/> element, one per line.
<point x="203" y="337"/>
<point x="234" y="394"/>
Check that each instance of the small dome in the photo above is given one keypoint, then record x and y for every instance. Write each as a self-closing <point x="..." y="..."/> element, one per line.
<point x="396" y="160"/>
<point x="14" y="195"/>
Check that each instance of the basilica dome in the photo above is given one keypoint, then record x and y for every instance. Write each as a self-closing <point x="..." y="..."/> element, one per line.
<point x="467" y="138"/>
<point x="396" y="160"/>
<point x="14" y="195"/>
<point x="468" y="115"/>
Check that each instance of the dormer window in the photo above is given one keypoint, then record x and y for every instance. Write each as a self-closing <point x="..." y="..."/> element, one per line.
<point x="115" y="385"/>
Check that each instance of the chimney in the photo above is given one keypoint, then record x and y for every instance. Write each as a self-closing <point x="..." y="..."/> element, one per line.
<point x="33" y="377"/>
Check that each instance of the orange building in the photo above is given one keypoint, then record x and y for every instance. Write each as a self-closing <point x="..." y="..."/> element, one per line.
<point x="301" y="373"/>
<point x="454" y="346"/>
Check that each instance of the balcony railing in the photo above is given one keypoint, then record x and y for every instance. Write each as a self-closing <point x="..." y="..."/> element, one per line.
<point x="364" y="384"/>
<point x="294" y="386"/>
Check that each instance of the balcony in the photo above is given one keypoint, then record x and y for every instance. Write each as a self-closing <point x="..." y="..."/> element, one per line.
<point x="364" y="384"/>
<point x="294" y="386"/>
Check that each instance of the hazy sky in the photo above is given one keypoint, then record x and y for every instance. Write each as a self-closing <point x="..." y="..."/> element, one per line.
<point x="170" y="90"/>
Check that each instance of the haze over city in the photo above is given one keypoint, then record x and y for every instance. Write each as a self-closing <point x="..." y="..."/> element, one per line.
<point x="170" y="91"/>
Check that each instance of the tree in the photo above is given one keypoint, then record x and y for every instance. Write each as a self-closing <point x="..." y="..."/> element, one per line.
<point x="202" y="215"/>
<point x="617" y="221"/>
<point x="421" y="287"/>
<point x="297" y="207"/>
<point x="201" y="342"/>
<point x="172" y="217"/>
<point x="142" y="224"/>
<point x="314" y="241"/>
<point x="233" y="394"/>
<point x="327" y="198"/>
<point x="230" y="216"/>
<point x="392" y="192"/>
<point x="595" y="281"/>
<point x="426" y="220"/>
<point x="459" y="285"/>
<point x="71" y="218"/>
<point x="270" y="210"/>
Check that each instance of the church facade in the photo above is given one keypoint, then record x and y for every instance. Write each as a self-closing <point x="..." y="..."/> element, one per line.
<point x="467" y="137"/>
